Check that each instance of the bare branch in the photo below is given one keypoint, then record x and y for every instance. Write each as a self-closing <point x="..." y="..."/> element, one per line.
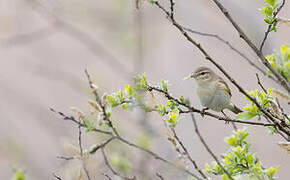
<point x="71" y="118"/>
<point x="112" y="169"/>
<point x="260" y="84"/>
<point x="107" y="176"/>
<point x="81" y="149"/>
<point x="243" y="35"/>
<point x="65" y="158"/>
<point x="192" y="109"/>
<point x="232" y="48"/>
<point x="118" y="137"/>
<point x="207" y="147"/>
<point x="101" y="104"/>
<point x="187" y="154"/>
<point x="159" y="176"/>
<point x="56" y="176"/>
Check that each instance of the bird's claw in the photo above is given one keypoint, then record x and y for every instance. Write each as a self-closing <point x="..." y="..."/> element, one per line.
<point x="202" y="112"/>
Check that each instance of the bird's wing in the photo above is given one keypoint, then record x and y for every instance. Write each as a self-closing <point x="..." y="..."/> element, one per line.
<point x="223" y="85"/>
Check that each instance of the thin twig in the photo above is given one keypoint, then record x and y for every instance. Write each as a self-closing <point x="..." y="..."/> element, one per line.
<point x="65" y="158"/>
<point x="81" y="150"/>
<point x="118" y="137"/>
<point x="260" y="84"/>
<point x="56" y="176"/>
<point x="232" y="48"/>
<point x="159" y="176"/>
<point x="207" y="147"/>
<point x="112" y="169"/>
<point x="192" y="109"/>
<point x="187" y="153"/>
<point x="101" y="104"/>
<point x="156" y="156"/>
<point x="71" y="118"/>
<point x="270" y="25"/>
<point x="243" y="35"/>
<point x="80" y="138"/>
<point x="107" y="176"/>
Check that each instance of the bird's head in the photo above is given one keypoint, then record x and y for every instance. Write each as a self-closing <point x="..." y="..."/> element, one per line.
<point x="203" y="75"/>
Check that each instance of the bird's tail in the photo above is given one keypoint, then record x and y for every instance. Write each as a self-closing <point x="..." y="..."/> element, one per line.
<point x="235" y="109"/>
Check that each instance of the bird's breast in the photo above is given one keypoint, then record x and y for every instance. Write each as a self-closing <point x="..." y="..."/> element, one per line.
<point x="215" y="99"/>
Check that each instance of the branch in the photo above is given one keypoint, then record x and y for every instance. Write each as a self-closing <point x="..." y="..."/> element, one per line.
<point x="81" y="150"/>
<point x="56" y="176"/>
<point x="270" y="26"/>
<point x="232" y="48"/>
<point x="242" y="34"/>
<point x="207" y="147"/>
<point x="208" y="57"/>
<point x="192" y="109"/>
<point x="101" y="104"/>
<point x="71" y="118"/>
<point x="118" y="137"/>
<point x="159" y="176"/>
<point x="187" y="154"/>
<point x="112" y="169"/>
<point x="260" y="84"/>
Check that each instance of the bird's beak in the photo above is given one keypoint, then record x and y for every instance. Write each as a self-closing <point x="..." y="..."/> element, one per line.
<point x="189" y="77"/>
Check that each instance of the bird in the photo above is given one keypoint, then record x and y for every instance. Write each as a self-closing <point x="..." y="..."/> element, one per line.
<point x="213" y="91"/>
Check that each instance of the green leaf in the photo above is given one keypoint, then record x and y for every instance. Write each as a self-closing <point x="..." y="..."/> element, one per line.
<point x="94" y="148"/>
<point x="161" y="110"/>
<point x="232" y="141"/>
<point x="18" y="175"/>
<point x="171" y="104"/>
<point x="89" y="124"/>
<point x="267" y="11"/>
<point x="250" y="159"/>
<point x="225" y="177"/>
<point x="245" y="115"/>
<point x="164" y="85"/>
<point x="125" y="106"/>
<point x="112" y="100"/>
<point x="271" y="172"/>
<point x="271" y="2"/>
<point x="129" y="90"/>
<point x="268" y="21"/>
<point x="173" y="117"/>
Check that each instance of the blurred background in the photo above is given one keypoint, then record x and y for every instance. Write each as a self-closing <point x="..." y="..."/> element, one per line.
<point x="45" y="46"/>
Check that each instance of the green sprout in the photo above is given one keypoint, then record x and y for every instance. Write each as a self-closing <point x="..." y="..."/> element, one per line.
<point x="18" y="175"/>
<point x="281" y="62"/>
<point x="270" y="12"/>
<point x="239" y="161"/>
<point x="251" y="109"/>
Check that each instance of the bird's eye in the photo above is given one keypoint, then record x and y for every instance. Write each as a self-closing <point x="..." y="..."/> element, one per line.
<point x="203" y="73"/>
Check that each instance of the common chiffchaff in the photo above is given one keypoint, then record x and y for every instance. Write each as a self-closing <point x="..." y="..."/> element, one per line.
<point x="213" y="91"/>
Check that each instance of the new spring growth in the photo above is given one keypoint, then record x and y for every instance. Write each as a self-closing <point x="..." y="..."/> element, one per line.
<point x="240" y="162"/>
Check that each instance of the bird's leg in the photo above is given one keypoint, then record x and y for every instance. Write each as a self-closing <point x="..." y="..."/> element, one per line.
<point x="203" y="111"/>
<point x="227" y="118"/>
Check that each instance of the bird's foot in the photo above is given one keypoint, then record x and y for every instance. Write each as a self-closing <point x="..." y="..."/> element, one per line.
<point x="227" y="121"/>
<point x="202" y="112"/>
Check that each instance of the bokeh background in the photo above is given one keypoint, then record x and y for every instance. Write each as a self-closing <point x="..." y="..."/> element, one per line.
<point x="45" y="46"/>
